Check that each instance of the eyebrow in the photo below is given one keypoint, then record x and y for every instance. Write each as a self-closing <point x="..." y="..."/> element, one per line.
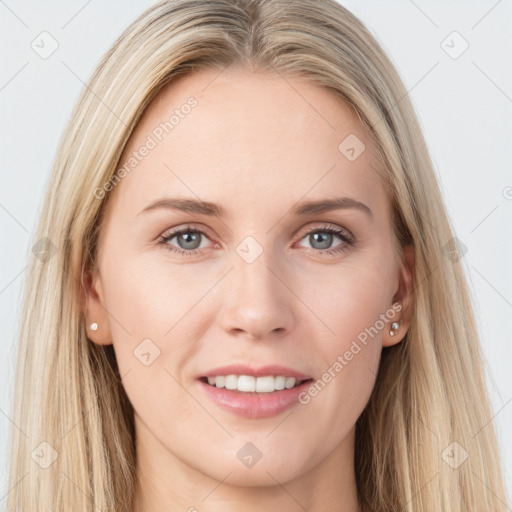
<point x="327" y="205"/>
<point x="214" y="210"/>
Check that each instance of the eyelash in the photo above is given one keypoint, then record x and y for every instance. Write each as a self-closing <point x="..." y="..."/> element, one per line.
<point x="341" y="233"/>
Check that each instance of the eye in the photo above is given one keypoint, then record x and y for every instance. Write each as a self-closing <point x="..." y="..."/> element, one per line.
<point x="321" y="238"/>
<point x="188" y="239"/>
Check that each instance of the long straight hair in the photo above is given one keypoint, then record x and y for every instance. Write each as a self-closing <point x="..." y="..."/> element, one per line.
<point x="72" y="445"/>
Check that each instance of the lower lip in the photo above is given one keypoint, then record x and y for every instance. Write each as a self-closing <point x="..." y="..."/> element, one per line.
<point x="255" y="405"/>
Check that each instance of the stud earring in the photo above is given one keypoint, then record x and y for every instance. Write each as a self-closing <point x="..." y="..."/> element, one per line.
<point x="94" y="326"/>
<point x="394" y="328"/>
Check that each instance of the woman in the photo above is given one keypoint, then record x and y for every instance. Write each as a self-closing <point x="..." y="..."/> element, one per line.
<point x="248" y="294"/>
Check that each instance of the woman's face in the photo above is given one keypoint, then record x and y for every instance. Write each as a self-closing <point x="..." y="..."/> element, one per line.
<point x="276" y="278"/>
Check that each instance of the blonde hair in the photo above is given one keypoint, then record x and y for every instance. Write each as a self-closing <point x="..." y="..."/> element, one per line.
<point x="430" y="389"/>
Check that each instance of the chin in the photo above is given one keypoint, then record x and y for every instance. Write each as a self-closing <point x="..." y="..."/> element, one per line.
<point x="262" y="476"/>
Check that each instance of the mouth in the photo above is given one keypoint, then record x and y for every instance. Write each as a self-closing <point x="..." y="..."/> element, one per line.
<point x="254" y="392"/>
<point x="248" y="384"/>
<point x="253" y="397"/>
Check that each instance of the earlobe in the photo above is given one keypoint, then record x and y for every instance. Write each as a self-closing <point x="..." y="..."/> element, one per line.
<point x="96" y="316"/>
<point x="397" y="328"/>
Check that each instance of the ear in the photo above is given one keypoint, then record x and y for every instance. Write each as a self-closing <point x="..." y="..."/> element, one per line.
<point x="95" y="311"/>
<point x="405" y="297"/>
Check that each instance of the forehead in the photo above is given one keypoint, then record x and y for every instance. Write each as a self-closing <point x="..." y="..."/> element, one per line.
<point x="243" y="140"/>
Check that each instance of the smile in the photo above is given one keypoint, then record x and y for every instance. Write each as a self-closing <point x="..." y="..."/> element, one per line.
<point x="250" y="384"/>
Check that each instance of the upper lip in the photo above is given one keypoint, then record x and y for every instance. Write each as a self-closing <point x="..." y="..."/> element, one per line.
<point x="262" y="371"/>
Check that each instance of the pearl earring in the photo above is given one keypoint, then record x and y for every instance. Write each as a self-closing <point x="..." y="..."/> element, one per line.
<point x="394" y="328"/>
<point x="94" y="326"/>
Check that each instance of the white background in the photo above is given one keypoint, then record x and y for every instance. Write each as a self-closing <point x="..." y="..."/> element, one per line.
<point x="464" y="105"/>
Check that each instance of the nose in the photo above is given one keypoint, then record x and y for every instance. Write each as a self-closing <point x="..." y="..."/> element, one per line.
<point x="257" y="302"/>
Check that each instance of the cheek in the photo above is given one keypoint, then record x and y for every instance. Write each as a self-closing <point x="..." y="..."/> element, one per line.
<point x="153" y="318"/>
<point x="352" y="302"/>
<point x="350" y="299"/>
<point x="147" y="298"/>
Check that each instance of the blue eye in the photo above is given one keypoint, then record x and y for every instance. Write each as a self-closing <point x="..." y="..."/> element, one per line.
<point x="324" y="236"/>
<point x="189" y="240"/>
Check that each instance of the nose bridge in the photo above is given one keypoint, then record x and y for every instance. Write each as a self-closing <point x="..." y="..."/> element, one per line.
<point x="258" y="301"/>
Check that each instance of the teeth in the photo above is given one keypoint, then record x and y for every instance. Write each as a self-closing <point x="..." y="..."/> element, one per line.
<point x="231" y="381"/>
<point x="280" y="383"/>
<point x="250" y="384"/>
<point x="289" y="383"/>
<point x="247" y="383"/>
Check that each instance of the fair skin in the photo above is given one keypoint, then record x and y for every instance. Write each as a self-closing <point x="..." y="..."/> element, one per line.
<point x="256" y="146"/>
